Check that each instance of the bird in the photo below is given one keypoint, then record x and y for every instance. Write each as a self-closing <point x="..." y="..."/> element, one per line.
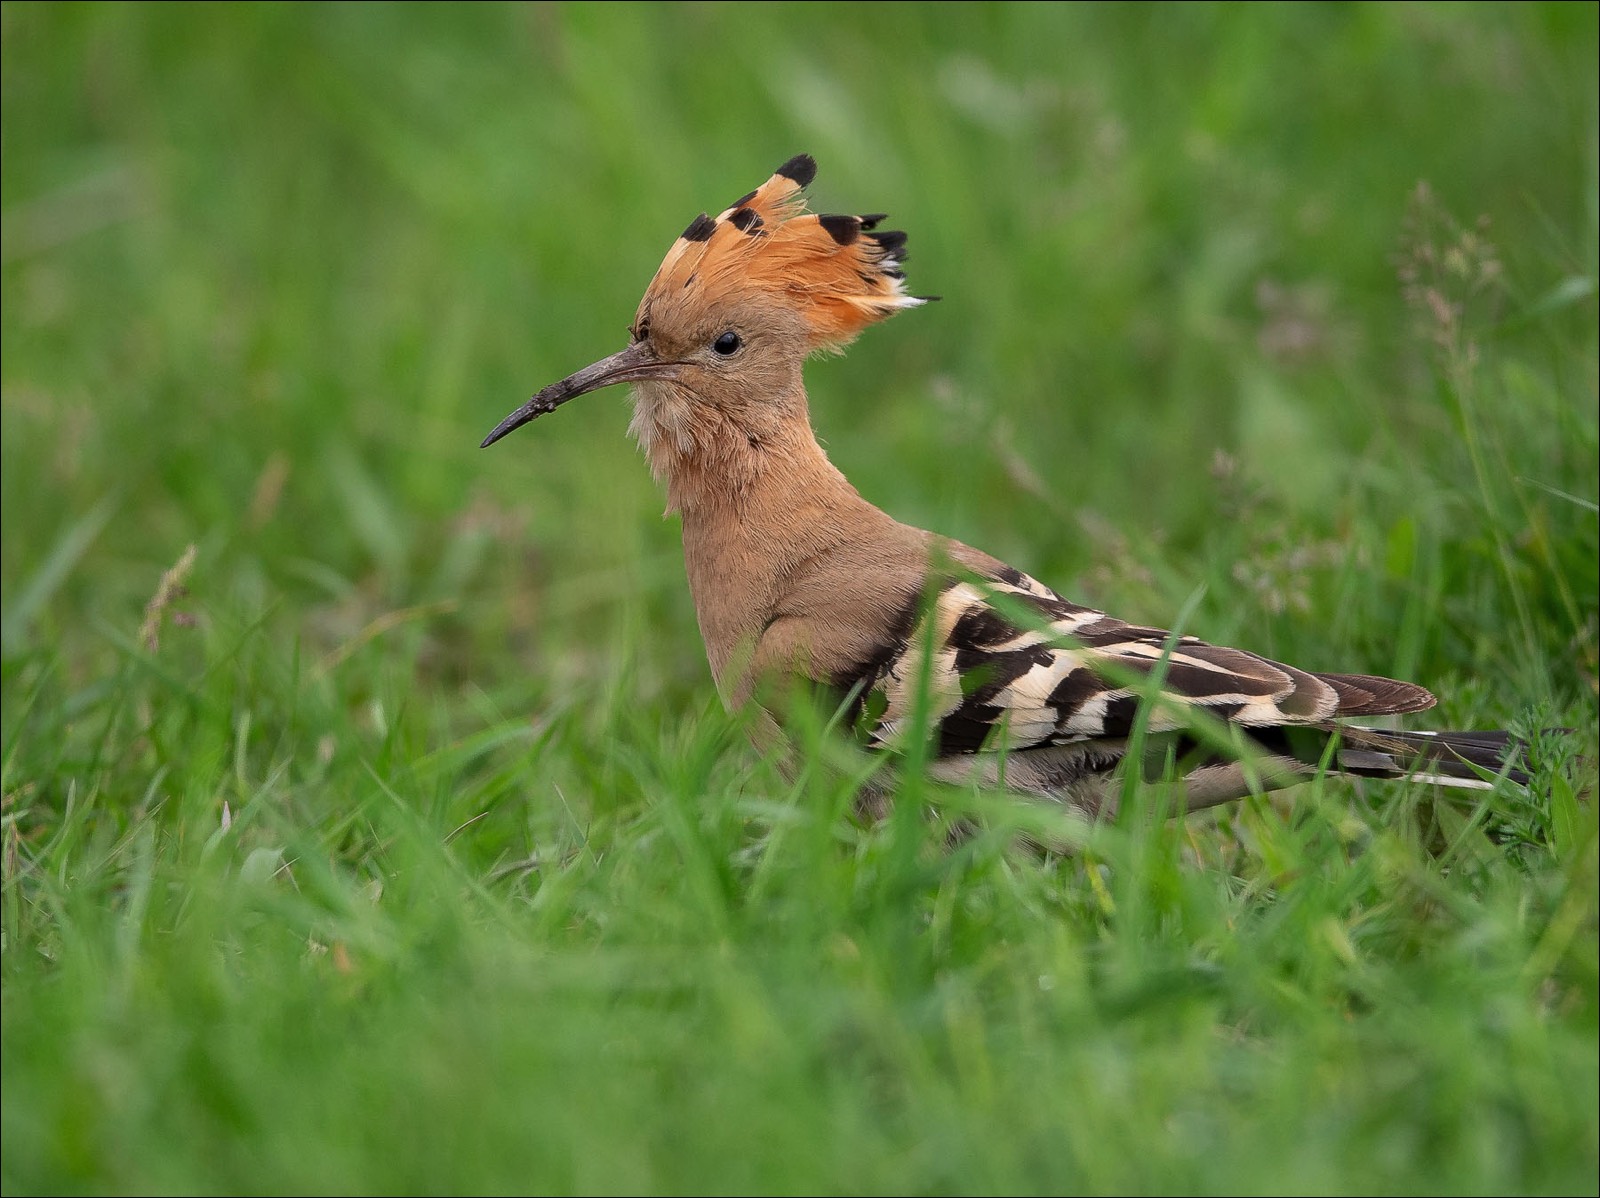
<point x="798" y="580"/>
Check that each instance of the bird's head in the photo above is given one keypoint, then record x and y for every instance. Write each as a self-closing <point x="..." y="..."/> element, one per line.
<point x="742" y="299"/>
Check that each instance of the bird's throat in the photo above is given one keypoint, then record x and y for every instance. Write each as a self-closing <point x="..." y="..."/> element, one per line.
<point x="760" y="503"/>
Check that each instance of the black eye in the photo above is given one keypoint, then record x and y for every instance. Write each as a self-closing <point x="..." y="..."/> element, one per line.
<point x="726" y="344"/>
<point x="643" y="331"/>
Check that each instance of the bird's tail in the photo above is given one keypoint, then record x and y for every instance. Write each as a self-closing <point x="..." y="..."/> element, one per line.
<point x="1466" y="759"/>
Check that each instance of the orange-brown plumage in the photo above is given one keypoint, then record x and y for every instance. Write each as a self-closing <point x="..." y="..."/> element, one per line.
<point x="838" y="273"/>
<point x="795" y="575"/>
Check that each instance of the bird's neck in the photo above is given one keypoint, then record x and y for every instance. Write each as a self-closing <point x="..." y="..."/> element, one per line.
<point x="760" y="503"/>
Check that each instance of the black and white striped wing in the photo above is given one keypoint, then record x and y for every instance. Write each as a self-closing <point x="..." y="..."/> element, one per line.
<point x="1069" y="676"/>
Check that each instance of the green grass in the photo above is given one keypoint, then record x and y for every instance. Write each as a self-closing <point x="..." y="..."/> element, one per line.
<point x="414" y="851"/>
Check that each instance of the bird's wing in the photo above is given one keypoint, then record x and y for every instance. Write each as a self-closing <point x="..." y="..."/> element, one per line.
<point x="1014" y="665"/>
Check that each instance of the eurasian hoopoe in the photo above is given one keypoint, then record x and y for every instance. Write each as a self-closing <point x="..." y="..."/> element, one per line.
<point x="795" y="575"/>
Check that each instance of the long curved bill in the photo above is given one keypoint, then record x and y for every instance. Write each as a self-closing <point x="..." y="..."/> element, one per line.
<point x="633" y="364"/>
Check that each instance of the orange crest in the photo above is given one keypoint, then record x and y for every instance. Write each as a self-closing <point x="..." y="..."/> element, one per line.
<point x="837" y="271"/>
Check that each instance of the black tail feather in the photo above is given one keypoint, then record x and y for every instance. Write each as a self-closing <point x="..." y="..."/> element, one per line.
<point x="1460" y="758"/>
<point x="1468" y="759"/>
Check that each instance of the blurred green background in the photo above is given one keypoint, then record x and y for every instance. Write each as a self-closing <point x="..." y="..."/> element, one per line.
<point x="272" y="272"/>
<point x="1293" y="301"/>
